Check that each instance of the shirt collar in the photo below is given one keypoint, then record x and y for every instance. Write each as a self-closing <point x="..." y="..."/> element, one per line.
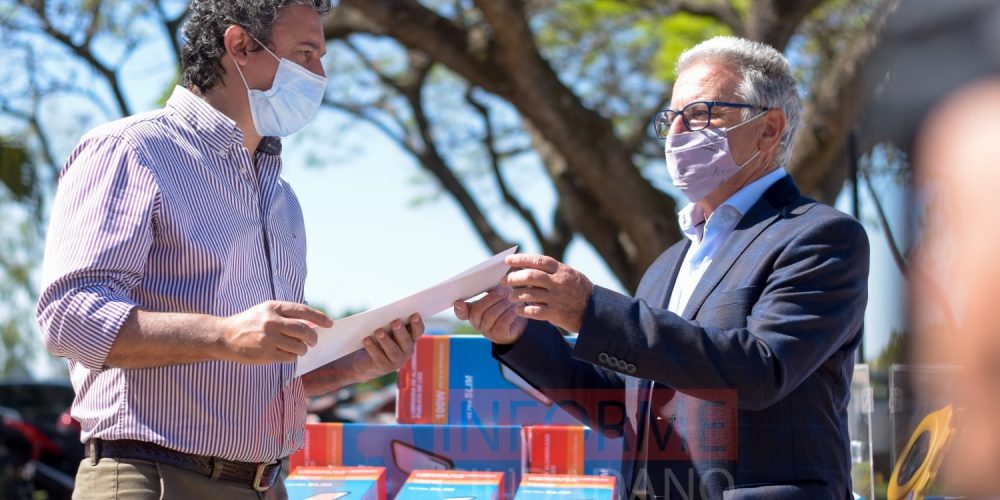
<point x="692" y="216"/>
<point x="212" y="125"/>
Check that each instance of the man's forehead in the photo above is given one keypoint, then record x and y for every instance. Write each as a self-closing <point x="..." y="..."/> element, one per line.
<point x="706" y="81"/>
<point x="301" y="23"/>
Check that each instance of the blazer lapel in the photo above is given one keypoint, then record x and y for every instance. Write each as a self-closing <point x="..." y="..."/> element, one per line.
<point x="768" y="209"/>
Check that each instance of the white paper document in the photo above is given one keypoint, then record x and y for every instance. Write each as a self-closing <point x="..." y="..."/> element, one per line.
<point x="347" y="334"/>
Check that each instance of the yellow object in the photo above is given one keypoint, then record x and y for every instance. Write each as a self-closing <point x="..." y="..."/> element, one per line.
<point x="918" y="465"/>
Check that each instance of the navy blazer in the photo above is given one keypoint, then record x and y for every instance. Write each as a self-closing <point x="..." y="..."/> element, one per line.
<point x="745" y="394"/>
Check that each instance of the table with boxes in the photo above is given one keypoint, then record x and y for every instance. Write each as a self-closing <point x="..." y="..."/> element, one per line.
<point x="458" y="412"/>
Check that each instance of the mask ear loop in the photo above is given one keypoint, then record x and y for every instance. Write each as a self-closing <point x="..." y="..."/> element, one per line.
<point x="738" y="125"/>
<point x="238" y="70"/>
<point x="264" y="46"/>
<point x="752" y="158"/>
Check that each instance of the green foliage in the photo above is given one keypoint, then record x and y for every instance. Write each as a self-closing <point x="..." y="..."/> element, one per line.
<point x="19" y="250"/>
<point x="670" y="34"/>
<point x="169" y="90"/>
<point x="15" y="351"/>
<point x="860" y="478"/>
<point x="17" y="172"/>
<point x="464" y="328"/>
<point x="827" y="32"/>
<point x="893" y="352"/>
<point x="679" y="32"/>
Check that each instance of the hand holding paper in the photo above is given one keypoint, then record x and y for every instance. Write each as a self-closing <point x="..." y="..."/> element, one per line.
<point x="494" y="316"/>
<point x="545" y="289"/>
<point x="347" y="334"/>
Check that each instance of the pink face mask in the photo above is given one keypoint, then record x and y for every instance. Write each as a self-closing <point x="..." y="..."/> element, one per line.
<point x="700" y="161"/>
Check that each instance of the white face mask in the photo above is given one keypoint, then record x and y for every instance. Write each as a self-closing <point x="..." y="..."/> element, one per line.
<point x="290" y="103"/>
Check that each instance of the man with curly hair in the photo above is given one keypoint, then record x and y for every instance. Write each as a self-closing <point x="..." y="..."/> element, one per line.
<point x="174" y="270"/>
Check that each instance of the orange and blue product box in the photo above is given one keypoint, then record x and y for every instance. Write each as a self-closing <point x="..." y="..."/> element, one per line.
<point x="569" y="450"/>
<point x="402" y="448"/>
<point x="566" y="487"/>
<point x="336" y="483"/>
<point x="454" y="379"/>
<point x="453" y="485"/>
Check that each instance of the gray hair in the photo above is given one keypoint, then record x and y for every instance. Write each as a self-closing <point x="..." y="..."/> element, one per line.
<point x="207" y="23"/>
<point x="767" y="79"/>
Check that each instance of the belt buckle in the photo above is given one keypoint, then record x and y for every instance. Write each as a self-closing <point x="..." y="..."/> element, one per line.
<point x="259" y="475"/>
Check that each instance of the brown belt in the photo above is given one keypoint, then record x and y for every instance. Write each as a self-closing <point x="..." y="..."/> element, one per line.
<point x="258" y="476"/>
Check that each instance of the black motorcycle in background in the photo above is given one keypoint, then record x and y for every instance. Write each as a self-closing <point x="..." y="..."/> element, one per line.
<point x="40" y="447"/>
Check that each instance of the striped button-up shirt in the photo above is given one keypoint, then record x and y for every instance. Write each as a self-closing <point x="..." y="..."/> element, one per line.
<point x="165" y="211"/>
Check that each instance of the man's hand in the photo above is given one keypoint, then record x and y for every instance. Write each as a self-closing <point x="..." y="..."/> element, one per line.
<point x="386" y="352"/>
<point x="548" y="290"/>
<point x="494" y="316"/>
<point x="383" y="352"/>
<point x="270" y="332"/>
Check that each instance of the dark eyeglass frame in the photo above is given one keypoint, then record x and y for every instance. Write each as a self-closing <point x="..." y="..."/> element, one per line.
<point x="667" y="116"/>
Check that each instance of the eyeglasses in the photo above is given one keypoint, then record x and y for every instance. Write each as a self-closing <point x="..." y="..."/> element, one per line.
<point x="696" y="115"/>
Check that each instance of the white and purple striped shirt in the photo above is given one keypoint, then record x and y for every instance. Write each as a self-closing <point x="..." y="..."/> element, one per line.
<point x="165" y="211"/>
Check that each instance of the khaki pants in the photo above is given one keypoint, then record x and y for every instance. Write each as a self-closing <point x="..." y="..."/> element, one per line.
<point x="128" y="479"/>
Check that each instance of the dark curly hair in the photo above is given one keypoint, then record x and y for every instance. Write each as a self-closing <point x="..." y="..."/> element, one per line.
<point x="207" y="23"/>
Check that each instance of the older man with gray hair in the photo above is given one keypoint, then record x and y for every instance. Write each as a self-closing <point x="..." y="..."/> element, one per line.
<point x="728" y="375"/>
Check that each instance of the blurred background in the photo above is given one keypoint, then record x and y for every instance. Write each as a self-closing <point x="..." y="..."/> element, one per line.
<point x="433" y="150"/>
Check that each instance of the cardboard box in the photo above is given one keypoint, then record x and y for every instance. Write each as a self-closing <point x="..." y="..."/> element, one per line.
<point x="564" y="487"/>
<point x="569" y="450"/>
<point x="323" y="446"/>
<point x="455" y="380"/>
<point x="336" y="483"/>
<point x="401" y="449"/>
<point x="453" y="485"/>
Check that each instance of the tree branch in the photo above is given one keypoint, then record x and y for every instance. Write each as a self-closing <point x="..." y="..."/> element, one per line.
<point x="359" y="113"/>
<point x="371" y="66"/>
<point x="637" y="135"/>
<point x="835" y="102"/>
<point x="81" y="51"/>
<point x="721" y="10"/>
<point x="602" y="169"/>
<point x="416" y="26"/>
<point x="432" y="160"/>
<point x="171" y="26"/>
<point x="775" y="21"/>
<point x="494" y="159"/>
<point x="577" y="209"/>
<point x="410" y="87"/>
<point x="95" y="17"/>
<point x="346" y="20"/>
<point x="897" y="255"/>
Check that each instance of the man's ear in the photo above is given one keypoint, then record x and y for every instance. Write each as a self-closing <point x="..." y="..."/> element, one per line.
<point x="238" y="43"/>
<point x="772" y="129"/>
